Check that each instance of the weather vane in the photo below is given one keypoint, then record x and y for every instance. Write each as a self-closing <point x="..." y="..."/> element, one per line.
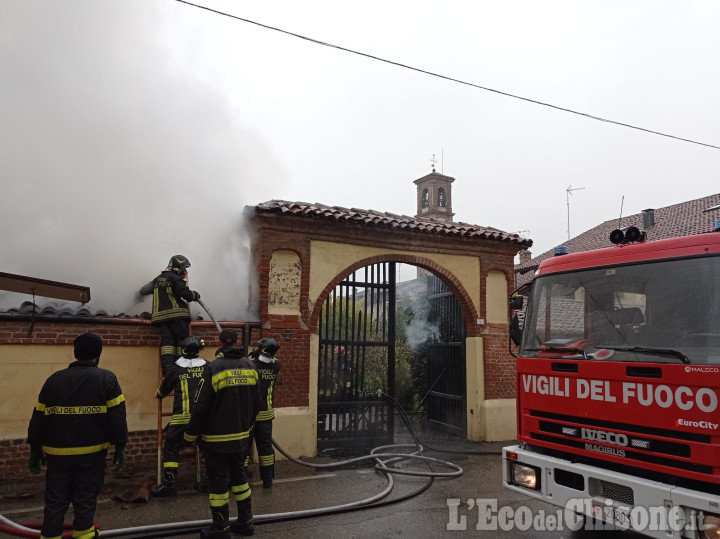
<point x="433" y="161"/>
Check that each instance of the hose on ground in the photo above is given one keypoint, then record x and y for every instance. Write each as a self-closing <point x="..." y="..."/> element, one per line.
<point x="385" y="457"/>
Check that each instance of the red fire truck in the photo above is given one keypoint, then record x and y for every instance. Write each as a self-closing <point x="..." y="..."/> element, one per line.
<point x="618" y="384"/>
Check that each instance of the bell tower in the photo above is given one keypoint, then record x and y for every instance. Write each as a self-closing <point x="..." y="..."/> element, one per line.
<point x="434" y="196"/>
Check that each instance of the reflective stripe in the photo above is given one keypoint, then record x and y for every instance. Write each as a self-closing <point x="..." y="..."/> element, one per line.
<point x="218" y="500"/>
<point x="167" y="350"/>
<point x="75" y="450"/>
<point x="170" y="464"/>
<point x="180" y="419"/>
<point x="267" y="460"/>
<point x="189" y="437"/>
<point x="185" y="397"/>
<point x="225" y="437"/>
<point x="266" y="415"/>
<point x="234" y="377"/>
<point x="49" y="537"/>
<point x="40" y="407"/>
<point x="268" y="398"/>
<point x="156" y="301"/>
<point x="75" y="410"/>
<point x="116" y="401"/>
<point x="167" y="315"/>
<point x="171" y="297"/>
<point x="240" y="492"/>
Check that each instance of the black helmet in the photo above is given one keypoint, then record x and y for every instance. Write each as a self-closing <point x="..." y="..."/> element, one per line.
<point x="191" y="346"/>
<point x="268" y="347"/>
<point x="178" y="263"/>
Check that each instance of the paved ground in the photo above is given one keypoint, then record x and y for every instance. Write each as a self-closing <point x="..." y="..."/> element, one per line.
<point x="432" y="513"/>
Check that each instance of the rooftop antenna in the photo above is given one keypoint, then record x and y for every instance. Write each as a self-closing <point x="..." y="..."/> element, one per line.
<point x="622" y="202"/>
<point x="568" y="192"/>
<point x="433" y="161"/>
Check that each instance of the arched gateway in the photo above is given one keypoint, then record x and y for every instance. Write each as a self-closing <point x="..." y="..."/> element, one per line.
<point x="303" y="252"/>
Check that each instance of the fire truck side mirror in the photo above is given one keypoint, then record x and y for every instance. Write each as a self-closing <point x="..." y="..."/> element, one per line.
<point x="516" y="302"/>
<point x="515" y="330"/>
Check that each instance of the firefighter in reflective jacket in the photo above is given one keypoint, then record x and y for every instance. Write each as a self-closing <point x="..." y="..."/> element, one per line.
<point x="268" y="368"/>
<point x="183" y="381"/>
<point x="79" y="413"/>
<point x="170" y="311"/>
<point x="228" y="401"/>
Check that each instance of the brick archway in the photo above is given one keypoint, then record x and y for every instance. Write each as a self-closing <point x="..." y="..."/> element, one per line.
<point x="329" y="244"/>
<point x="468" y="310"/>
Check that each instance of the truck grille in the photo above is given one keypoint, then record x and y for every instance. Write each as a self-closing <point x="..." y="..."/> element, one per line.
<point x="614" y="425"/>
<point x="567" y="431"/>
<point x="618" y="493"/>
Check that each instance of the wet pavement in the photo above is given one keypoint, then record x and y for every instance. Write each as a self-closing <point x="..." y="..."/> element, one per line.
<point x="431" y="513"/>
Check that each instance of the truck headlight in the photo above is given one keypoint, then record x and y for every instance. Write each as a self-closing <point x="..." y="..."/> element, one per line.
<point x="525" y="476"/>
<point x="711" y="526"/>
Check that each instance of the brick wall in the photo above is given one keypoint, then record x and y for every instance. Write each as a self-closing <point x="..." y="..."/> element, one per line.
<point x="293" y="381"/>
<point x="499" y="364"/>
<point x="141" y="452"/>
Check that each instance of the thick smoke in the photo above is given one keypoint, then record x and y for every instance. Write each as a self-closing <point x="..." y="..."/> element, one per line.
<point x="113" y="159"/>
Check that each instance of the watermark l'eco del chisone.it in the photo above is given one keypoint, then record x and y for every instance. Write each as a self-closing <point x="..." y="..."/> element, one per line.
<point x="484" y="514"/>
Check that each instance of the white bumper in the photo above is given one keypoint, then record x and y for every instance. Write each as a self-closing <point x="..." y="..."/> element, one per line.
<point x="648" y="507"/>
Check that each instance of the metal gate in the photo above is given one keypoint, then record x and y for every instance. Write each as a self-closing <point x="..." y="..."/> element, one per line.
<point x="356" y="361"/>
<point x="446" y="402"/>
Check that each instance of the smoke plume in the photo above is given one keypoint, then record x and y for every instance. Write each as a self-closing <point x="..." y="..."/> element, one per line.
<point x="113" y="159"/>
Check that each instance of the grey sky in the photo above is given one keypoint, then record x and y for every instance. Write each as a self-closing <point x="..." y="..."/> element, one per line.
<point x="137" y="129"/>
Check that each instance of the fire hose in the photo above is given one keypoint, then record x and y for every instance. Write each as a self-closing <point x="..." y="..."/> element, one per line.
<point x="210" y="314"/>
<point x="384" y="456"/>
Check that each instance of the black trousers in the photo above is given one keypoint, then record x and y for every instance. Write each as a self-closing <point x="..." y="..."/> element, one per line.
<point x="220" y="467"/>
<point x="262" y="435"/>
<point x="172" y="333"/>
<point x="76" y="479"/>
<point x="174" y="443"/>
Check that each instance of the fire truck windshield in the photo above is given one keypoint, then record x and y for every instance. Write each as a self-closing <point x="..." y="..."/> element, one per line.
<point x="663" y="311"/>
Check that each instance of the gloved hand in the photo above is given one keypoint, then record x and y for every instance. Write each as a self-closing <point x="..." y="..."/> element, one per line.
<point x="119" y="457"/>
<point x="36" y="458"/>
<point x="196" y="296"/>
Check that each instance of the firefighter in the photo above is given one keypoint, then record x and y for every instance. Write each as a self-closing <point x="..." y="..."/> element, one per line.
<point x="79" y="413"/>
<point x="268" y="368"/>
<point x="183" y="381"/>
<point x="228" y="340"/>
<point x="228" y="402"/>
<point x="170" y="311"/>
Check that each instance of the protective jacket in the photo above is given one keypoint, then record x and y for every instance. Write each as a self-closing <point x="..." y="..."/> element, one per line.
<point x="80" y="410"/>
<point x="183" y="381"/>
<point x="170" y="296"/>
<point x="268" y="369"/>
<point x="228" y="401"/>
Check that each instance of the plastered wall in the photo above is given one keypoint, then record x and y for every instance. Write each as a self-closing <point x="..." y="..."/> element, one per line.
<point x="329" y="259"/>
<point x="24" y="369"/>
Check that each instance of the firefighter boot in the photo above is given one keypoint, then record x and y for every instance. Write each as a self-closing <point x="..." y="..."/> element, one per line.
<point x="221" y="527"/>
<point x="167" y="488"/>
<point x="244" y="523"/>
<point x="86" y="534"/>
